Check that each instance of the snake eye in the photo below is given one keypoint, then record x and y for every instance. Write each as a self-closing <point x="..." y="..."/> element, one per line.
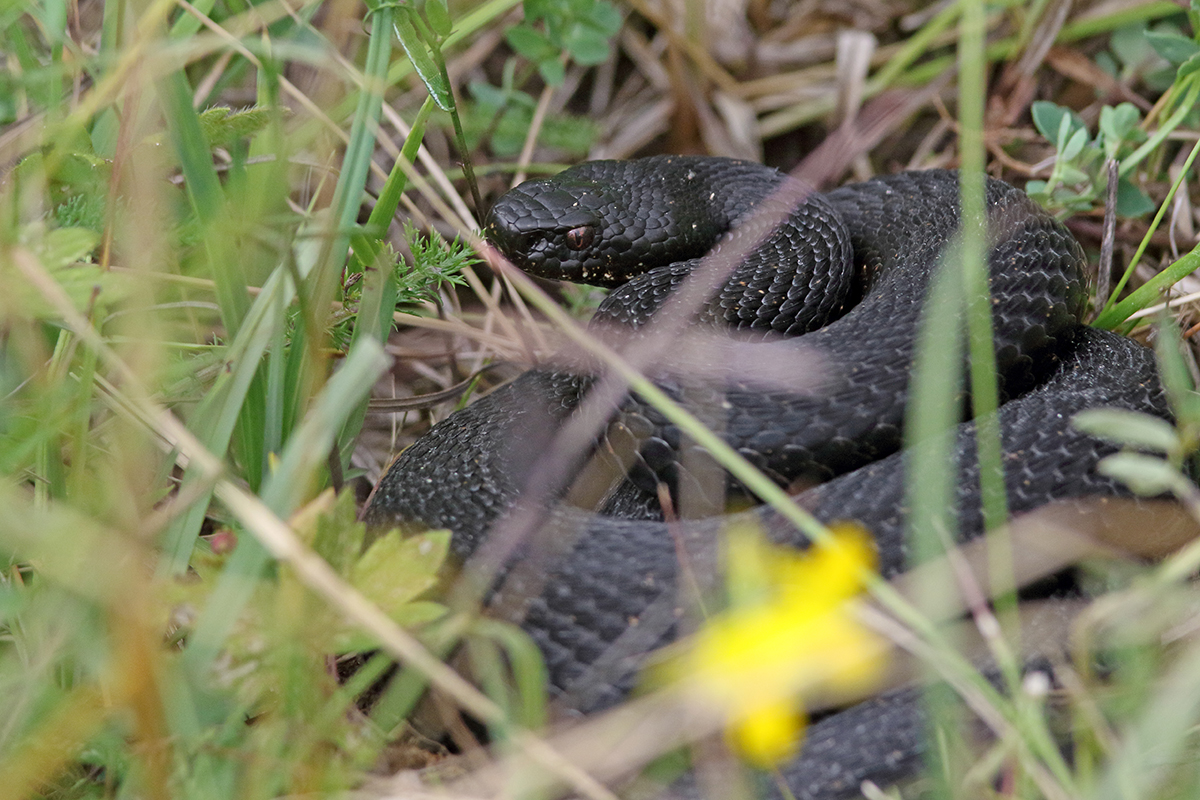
<point x="579" y="238"/>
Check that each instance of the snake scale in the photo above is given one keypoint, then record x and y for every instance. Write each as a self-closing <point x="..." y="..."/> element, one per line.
<point x="850" y="269"/>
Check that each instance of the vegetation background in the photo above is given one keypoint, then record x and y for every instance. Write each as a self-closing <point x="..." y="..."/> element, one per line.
<point x="219" y="299"/>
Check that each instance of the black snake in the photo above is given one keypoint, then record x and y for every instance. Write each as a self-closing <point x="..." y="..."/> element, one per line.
<point x="866" y="254"/>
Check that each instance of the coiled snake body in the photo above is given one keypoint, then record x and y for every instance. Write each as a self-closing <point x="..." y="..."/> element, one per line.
<point x="850" y="269"/>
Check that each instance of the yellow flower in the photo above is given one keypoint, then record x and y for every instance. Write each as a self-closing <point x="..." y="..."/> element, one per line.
<point x="791" y="634"/>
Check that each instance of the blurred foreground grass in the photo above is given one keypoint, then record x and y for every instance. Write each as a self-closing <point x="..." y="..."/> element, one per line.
<point x="195" y="298"/>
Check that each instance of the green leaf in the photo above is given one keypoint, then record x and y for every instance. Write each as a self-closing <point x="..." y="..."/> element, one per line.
<point x="1128" y="428"/>
<point x="338" y="535"/>
<point x="224" y="126"/>
<point x="410" y="615"/>
<point x="1064" y="132"/>
<point x="1074" y="144"/>
<point x="439" y="17"/>
<point x="587" y="45"/>
<point x="435" y="262"/>
<point x="1173" y="47"/>
<point x="1131" y="47"/>
<point x="82" y="211"/>
<point x="562" y="132"/>
<point x="606" y="18"/>
<point x="530" y="43"/>
<point x="1132" y="202"/>
<point x="1145" y="475"/>
<point x="13" y="599"/>
<point x="396" y="570"/>
<point x="65" y="246"/>
<point x="1048" y="118"/>
<point x="428" y="69"/>
<point x="540" y="9"/>
<point x="419" y="612"/>
<point x="498" y="97"/>
<point x="579" y="28"/>
<point x="1117" y="123"/>
<point x="1072" y="175"/>
<point x="1188" y="67"/>
<point x="486" y="94"/>
<point x="78" y="172"/>
<point x="1119" y="127"/>
<point x="552" y="71"/>
<point x="62" y="252"/>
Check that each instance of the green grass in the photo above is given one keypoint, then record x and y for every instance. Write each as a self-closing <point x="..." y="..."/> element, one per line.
<point x="193" y="307"/>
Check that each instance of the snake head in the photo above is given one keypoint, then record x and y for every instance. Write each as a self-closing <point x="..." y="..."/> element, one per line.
<point x="553" y="229"/>
<point x="604" y="222"/>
